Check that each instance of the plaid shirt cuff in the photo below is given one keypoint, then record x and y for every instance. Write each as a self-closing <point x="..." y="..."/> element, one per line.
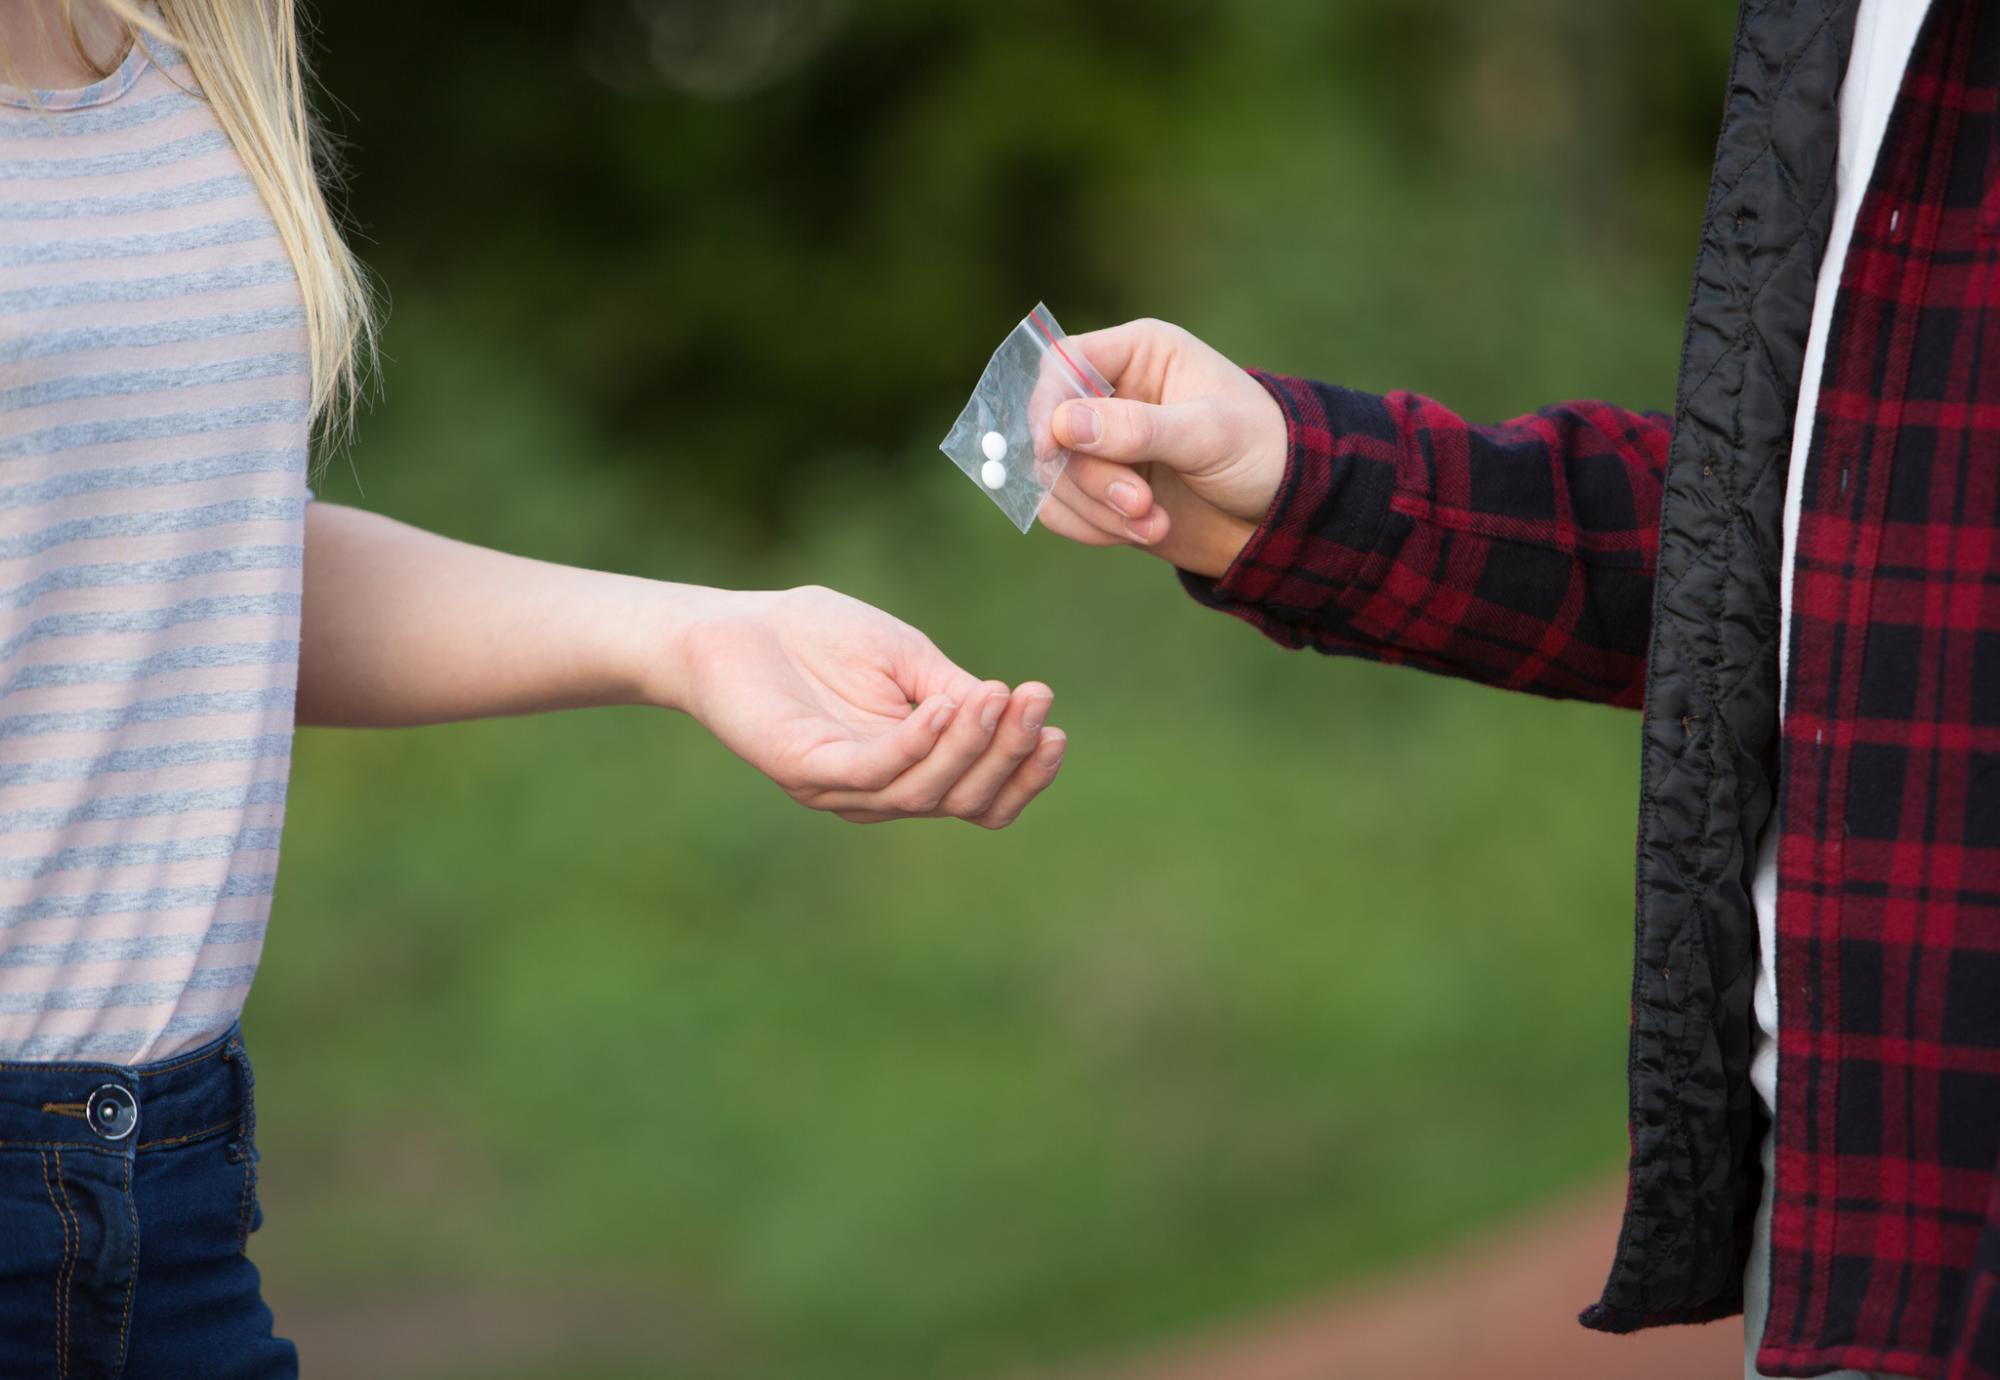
<point x="1319" y="553"/>
<point x="1519" y="555"/>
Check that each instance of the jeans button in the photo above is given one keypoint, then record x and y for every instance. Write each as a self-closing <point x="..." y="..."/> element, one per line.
<point x="112" y="1111"/>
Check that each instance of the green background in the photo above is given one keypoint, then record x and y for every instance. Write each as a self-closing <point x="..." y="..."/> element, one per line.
<point x="1304" y="968"/>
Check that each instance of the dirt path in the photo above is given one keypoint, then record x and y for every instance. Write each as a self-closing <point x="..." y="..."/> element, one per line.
<point x="450" y="1334"/>
<point x="1503" y="1308"/>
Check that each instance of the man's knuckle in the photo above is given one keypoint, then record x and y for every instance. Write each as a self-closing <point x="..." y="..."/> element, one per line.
<point x="1140" y="430"/>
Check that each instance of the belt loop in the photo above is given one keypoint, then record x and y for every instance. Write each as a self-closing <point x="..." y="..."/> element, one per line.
<point x="245" y="1144"/>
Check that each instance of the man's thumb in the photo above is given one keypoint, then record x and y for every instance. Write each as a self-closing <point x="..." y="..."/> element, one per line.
<point x="1182" y="436"/>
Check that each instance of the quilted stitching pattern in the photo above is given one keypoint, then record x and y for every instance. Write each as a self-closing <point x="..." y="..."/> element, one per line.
<point x="1711" y="699"/>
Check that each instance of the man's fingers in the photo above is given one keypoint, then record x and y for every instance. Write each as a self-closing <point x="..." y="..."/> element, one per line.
<point x="1118" y="487"/>
<point x="1113" y="349"/>
<point x="1029" y="780"/>
<point x="1114" y="498"/>
<point x="1064" y="521"/>
<point x="856" y="765"/>
<point x="1020" y="729"/>
<point x="1182" y="436"/>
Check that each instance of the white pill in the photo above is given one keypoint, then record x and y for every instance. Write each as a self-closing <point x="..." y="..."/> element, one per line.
<point x="992" y="474"/>
<point x="994" y="444"/>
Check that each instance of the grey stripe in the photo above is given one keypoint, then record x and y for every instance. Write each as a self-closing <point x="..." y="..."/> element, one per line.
<point x="102" y="119"/>
<point x="153" y="476"/>
<point x="200" y="752"/>
<point x="124" y="993"/>
<point x="123" y="950"/>
<point x="167" y="198"/>
<point x="109" y="855"/>
<point x="166" y="709"/>
<point x="127" y="383"/>
<point x="150" y="620"/>
<point x="100" y="951"/>
<point x="41" y="344"/>
<point x="73" y="386"/>
<point x="69" y="294"/>
<point x="51" y="440"/>
<point x="149" y="806"/>
<point x="115" y="573"/>
<point x="127" y="525"/>
<point x="124" y="672"/>
<point x="127" y="246"/>
<point x="44" y="1048"/>
<point x="135" y="902"/>
<point x="158" y="156"/>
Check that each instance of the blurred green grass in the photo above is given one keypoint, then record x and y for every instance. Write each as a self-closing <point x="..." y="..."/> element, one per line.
<point x="1304" y="968"/>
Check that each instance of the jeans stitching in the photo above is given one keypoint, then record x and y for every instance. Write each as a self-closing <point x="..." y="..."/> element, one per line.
<point x="132" y="1279"/>
<point x="243" y="1213"/>
<point x="179" y="1063"/>
<point x="57" y="1145"/>
<point x="43" y="1158"/>
<point x="62" y="1291"/>
<point x="75" y="1257"/>
<point x="143" y="1071"/>
<point x="182" y="1140"/>
<point x="245" y="1143"/>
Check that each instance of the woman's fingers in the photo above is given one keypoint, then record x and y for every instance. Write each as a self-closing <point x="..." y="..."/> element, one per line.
<point x="987" y="775"/>
<point x="974" y="793"/>
<point x="1029" y="780"/>
<point x="921" y="788"/>
<point x="923" y="672"/>
<point x="868" y="765"/>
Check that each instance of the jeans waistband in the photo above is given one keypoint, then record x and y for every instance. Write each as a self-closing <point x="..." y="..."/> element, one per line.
<point x="129" y="1108"/>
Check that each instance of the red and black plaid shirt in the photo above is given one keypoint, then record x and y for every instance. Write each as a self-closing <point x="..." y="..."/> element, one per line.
<point x="1523" y="554"/>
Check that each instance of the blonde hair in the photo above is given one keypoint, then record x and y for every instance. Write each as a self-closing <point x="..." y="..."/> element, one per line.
<point x="245" y="58"/>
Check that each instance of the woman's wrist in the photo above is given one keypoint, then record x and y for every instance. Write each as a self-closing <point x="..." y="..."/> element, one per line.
<point x="654" y="657"/>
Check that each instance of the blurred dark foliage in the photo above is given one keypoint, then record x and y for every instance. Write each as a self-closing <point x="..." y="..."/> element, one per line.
<point x="734" y="231"/>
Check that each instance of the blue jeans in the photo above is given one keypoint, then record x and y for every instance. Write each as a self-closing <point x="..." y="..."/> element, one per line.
<point x="127" y="1194"/>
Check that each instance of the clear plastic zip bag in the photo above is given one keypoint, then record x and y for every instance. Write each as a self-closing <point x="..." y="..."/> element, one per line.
<point x="1002" y="440"/>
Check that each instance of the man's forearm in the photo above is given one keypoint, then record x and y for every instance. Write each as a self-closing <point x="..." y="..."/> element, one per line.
<point x="1520" y="554"/>
<point x="405" y="627"/>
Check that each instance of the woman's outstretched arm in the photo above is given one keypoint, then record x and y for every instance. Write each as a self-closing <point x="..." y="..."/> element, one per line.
<point x="845" y="707"/>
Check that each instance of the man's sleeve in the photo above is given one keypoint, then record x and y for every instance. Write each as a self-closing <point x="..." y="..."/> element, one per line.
<point x="1520" y="555"/>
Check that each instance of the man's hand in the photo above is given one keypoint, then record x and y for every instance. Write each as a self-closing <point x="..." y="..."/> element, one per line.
<point x="1184" y="462"/>
<point x="853" y="711"/>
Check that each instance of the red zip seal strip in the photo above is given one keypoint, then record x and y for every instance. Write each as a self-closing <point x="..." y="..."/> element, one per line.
<point x="1049" y="336"/>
